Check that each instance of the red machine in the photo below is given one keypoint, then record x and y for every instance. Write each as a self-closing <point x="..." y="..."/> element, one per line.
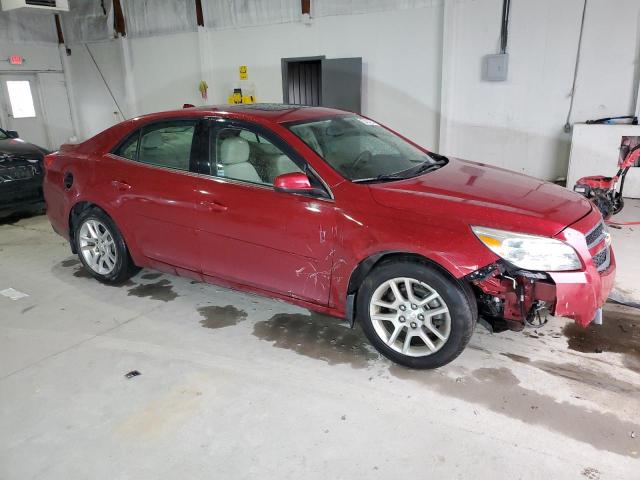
<point x="603" y="191"/>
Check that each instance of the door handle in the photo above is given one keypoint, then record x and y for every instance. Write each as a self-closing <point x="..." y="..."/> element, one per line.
<point x="120" y="185"/>
<point x="212" y="206"/>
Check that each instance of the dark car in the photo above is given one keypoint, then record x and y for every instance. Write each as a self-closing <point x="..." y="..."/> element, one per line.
<point x="334" y="212"/>
<point x="21" y="174"/>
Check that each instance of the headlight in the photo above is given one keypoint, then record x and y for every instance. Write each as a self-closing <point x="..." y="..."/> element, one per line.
<point x="529" y="252"/>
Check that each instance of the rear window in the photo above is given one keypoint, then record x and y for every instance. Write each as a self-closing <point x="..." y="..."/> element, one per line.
<point x="129" y="148"/>
<point x="164" y="144"/>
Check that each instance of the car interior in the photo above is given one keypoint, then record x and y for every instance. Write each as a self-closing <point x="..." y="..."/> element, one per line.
<point x="247" y="156"/>
<point x="354" y="151"/>
<point x="341" y="150"/>
<point x="167" y="146"/>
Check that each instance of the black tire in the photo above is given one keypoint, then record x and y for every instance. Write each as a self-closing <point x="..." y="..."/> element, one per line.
<point x="124" y="267"/>
<point x="459" y="301"/>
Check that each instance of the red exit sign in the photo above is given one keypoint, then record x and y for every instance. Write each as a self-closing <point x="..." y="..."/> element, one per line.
<point x="16" y="59"/>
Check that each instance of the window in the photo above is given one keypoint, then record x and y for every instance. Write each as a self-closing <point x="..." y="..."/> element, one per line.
<point x="129" y="148"/>
<point x="362" y="150"/>
<point x="247" y="156"/>
<point x="166" y="144"/>
<point x="20" y="99"/>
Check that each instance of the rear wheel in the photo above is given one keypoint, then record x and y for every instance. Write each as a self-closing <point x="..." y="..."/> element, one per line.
<point x="101" y="248"/>
<point x="415" y="315"/>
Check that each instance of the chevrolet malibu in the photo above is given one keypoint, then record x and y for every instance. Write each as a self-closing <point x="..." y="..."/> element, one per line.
<point x="336" y="213"/>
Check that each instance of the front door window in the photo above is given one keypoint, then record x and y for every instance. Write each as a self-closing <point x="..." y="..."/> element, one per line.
<point x="249" y="157"/>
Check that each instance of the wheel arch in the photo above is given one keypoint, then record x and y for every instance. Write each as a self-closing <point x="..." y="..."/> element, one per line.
<point x="367" y="265"/>
<point x="75" y="212"/>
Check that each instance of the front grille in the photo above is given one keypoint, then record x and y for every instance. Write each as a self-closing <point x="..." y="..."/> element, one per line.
<point x="13" y="174"/>
<point x="595" y="235"/>
<point x="602" y="259"/>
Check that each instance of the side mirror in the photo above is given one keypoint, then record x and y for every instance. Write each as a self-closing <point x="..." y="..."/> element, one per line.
<point x="295" y="182"/>
<point x="12" y="134"/>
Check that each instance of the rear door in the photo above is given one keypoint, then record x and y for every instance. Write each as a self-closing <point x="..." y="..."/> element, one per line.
<point x="149" y="179"/>
<point x="253" y="235"/>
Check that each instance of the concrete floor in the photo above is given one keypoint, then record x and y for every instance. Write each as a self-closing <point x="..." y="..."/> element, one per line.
<point x="236" y="386"/>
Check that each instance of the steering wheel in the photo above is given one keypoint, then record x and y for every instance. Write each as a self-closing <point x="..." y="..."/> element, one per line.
<point x="364" y="157"/>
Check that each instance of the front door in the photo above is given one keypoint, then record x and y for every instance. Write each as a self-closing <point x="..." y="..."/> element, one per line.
<point x="22" y="108"/>
<point x="253" y="235"/>
<point x="149" y="179"/>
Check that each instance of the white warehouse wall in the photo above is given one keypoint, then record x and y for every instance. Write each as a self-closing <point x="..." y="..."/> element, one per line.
<point x="414" y="81"/>
<point x="401" y="55"/>
<point x="96" y="108"/>
<point x="166" y="71"/>
<point x="518" y="124"/>
<point x="610" y="61"/>
<point x="401" y="64"/>
<point x="56" y="109"/>
<point x="41" y="57"/>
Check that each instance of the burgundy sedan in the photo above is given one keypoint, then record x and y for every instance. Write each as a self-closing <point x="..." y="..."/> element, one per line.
<point x="336" y="213"/>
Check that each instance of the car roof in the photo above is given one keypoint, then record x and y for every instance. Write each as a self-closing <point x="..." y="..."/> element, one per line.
<point x="272" y="112"/>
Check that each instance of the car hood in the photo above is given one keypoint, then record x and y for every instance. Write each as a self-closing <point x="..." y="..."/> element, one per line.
<point x="479" y="194"/>
<point x="18" y="147"/>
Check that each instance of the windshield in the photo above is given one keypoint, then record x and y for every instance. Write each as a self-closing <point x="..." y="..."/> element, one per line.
<point x="362" y="150"/>
<point x="3" y="135"/>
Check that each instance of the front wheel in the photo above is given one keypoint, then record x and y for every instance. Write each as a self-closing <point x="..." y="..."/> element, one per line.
<point x="415" y="315"/>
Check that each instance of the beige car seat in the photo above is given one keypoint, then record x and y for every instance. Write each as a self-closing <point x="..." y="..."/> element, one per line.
<point x="163" y="149"/>
<point x="280" y="164"/>
<point x="234" y="157"/>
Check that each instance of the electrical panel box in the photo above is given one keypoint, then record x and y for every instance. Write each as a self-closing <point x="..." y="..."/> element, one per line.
<point x="495" y="67"/>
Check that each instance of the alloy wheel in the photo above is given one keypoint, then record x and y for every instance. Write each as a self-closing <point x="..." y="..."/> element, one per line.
<point x="97" y="246"/>
<point x="410" y="317"/>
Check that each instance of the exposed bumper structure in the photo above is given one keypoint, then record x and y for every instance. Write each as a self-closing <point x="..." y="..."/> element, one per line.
<point x="516" y="295"/>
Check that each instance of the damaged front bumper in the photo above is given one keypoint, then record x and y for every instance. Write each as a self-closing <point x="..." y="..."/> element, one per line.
<point x="522" y="297"/>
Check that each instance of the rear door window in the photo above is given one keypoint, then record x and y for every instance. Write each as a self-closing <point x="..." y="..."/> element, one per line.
<point x="129" y="149"/>
<point x="167" y="144"/>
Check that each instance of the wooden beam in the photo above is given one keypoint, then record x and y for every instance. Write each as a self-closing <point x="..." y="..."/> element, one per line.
<point x="199" y="15"/>
<point x="118" y="19"/>
<point x="305" y="5"/>
<point x="59" y="29"/>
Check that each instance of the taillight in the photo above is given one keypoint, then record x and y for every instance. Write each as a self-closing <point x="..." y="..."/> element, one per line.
<point x="48" y="160"/>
